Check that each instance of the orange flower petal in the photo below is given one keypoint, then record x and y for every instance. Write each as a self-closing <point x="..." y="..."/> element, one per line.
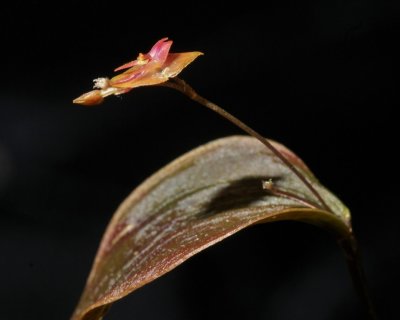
<point x="90" y="98"/>
<point x="147" y="79"/>
<point x="152" y="73"/>
<point x="176" y="62"/>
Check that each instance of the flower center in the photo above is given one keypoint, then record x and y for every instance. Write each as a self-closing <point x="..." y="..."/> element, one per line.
<point x="142" y="59"/>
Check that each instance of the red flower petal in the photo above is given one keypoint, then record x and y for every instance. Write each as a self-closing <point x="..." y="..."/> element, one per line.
<point x="127" y="76"/>
<point x="160" y="50"/>
<point x="127" y="65"/>
<point x="140" y="61"/>
<point x="159" y="53"/>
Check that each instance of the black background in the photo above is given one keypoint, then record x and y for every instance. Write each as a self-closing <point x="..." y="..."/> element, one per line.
<point x="318" y="76"/>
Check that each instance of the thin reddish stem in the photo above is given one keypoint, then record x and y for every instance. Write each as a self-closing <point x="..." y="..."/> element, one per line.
<point x="182" y="86"/>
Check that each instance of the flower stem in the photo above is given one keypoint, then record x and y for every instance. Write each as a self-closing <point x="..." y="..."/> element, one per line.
<point x="182" y="86"/>
<point x="348" y="243"/>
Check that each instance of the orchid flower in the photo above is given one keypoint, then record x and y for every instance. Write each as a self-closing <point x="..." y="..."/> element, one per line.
<point x="155" y="67"/>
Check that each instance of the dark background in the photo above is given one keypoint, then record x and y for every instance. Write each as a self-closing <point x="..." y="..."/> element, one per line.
<point x="318" y="76"/>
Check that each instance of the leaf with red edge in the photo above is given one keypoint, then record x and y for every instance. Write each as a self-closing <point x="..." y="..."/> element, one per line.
<point x="197" y="200"/>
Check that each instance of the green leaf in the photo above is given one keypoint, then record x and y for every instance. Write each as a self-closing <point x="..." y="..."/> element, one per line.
<point x="197" y="200"/>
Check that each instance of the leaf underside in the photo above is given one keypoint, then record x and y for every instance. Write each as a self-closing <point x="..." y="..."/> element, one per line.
<point x="197" y="200"/>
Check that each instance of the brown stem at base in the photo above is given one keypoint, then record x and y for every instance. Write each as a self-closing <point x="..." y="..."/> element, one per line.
<point x="353" y="259"/>
<point x="182" y="86"/>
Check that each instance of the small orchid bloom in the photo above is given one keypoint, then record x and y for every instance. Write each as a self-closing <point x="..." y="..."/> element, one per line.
<point x="155" y="67"/>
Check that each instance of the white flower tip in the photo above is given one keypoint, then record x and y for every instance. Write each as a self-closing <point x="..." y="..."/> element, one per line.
<point x="101" y="83"/>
